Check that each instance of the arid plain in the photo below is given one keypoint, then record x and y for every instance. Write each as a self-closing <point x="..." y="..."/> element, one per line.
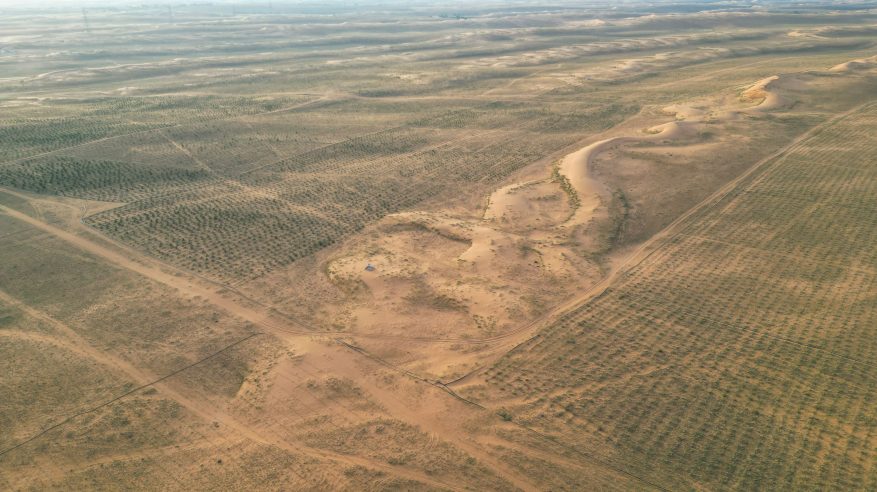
<point x="497" y="246"/>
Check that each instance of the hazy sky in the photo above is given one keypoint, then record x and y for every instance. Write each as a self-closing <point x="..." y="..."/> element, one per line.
<point x="76" y="3"/>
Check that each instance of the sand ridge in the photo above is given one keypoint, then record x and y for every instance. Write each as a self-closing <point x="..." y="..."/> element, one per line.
<point x="764" y="90"/>
<point x="575" y="166"/>
<point x="449" y="281"/>
<point x="483" y="275"/>
<point x="860" y="64"/>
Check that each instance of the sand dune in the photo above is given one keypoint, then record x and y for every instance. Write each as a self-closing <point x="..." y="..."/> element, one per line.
<point x="483" y="239"/>
<point x="477" y="270"/>
<point x="854" y="65"/>
<point x="505" y="199"/>
<point x="762" y="89"/>
<point x="685" y="111"/>
<point x="672" y="130"/>
<point x="575" y="166"/>
<point x="562" y="53"/>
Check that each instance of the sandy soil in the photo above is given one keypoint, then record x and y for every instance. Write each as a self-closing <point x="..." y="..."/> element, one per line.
<point x="479" y="261"/>
<point x="323" y="356"/>
<point x="449" y="291"/>
<point x="459" y="280"/>
<point x="763" y="90"/>
<point x="629" y="259"/>
<point x="855" y="65"/>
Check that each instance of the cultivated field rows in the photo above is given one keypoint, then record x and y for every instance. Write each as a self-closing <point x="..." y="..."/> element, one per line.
<point x="186" y="221"/>
<point x="182" y="397"/>
<point x="739" y="353"/>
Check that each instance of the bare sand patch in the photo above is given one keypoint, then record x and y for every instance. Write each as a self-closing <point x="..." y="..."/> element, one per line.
<point x="763" y="91"/>
<point x="574" y="167"/>
<point x="527" y="207"/>
<point x="505" y="199"/>
<point x="855" y="65"/>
